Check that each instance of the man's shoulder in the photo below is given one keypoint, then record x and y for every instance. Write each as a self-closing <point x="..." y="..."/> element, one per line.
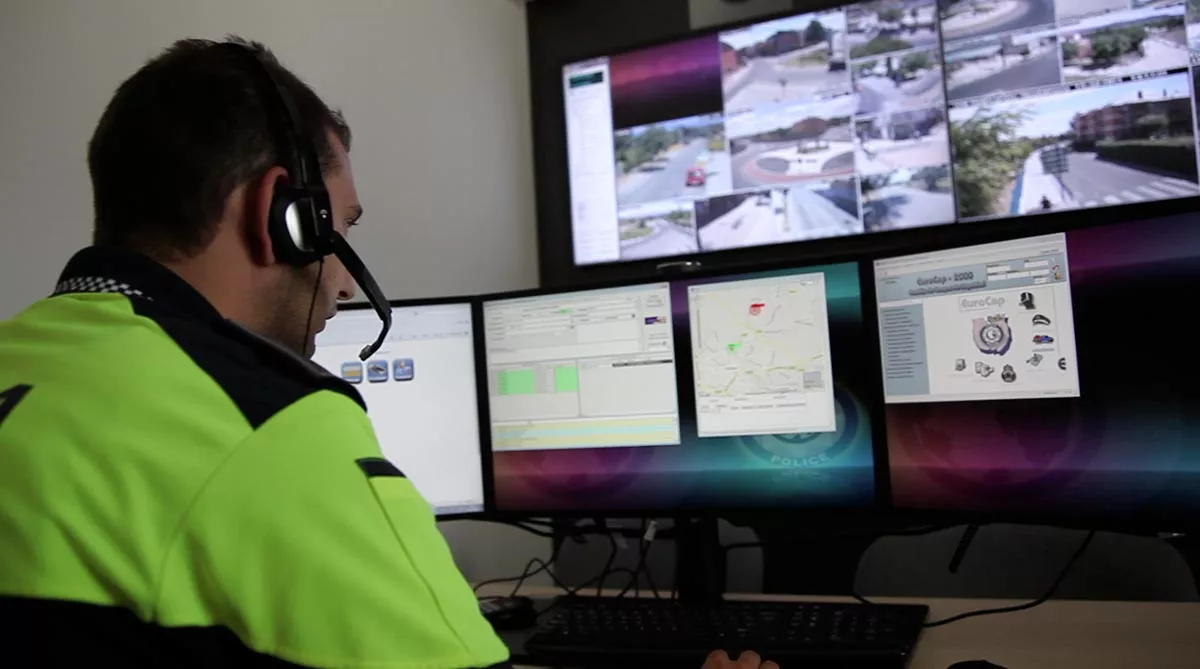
<point x="143" y="351"/>
<point x="261" y="377"/>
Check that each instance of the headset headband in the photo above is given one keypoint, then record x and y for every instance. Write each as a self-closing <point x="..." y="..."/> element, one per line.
<point x="285" y="118"/>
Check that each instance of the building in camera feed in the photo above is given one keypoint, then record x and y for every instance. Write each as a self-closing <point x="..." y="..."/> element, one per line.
<point x="1139" y="119"/>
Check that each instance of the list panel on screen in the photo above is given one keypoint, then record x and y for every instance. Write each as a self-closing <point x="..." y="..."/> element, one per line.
<point x="880" y="115"/>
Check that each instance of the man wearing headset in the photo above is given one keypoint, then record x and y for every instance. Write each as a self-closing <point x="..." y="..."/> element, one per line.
<point x="179" y="485"/>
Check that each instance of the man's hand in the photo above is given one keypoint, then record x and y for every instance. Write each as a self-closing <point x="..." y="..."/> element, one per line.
<point x="749" y="659"/>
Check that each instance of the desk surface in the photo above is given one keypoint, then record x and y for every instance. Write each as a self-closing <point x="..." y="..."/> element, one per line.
<point x="1064" y="634"/>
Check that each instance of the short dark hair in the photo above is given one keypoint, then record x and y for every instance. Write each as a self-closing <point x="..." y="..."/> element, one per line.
<point x="181" y="134"/>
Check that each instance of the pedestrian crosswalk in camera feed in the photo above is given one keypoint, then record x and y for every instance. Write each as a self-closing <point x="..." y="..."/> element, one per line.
<point x="878" y="116"/>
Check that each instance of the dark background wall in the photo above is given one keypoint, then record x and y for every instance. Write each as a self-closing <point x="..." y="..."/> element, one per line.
<point x="1006" y="561"/>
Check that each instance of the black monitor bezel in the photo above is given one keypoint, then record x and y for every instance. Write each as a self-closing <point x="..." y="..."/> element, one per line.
<point x="485" y="446"/>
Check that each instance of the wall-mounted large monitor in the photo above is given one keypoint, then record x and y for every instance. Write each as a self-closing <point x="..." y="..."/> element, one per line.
<point x="877" y="116"/>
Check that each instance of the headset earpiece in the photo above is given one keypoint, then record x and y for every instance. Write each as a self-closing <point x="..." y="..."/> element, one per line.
<point x="301" y="224"/>
<point x="291" y="233"/>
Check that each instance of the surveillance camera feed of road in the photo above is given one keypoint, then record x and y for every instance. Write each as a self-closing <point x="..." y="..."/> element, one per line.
<point x="877" y="116"/>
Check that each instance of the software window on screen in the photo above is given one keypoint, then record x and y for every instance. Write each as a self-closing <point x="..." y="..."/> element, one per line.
<point x="420" y="394"/>
<point x="978" y="323"/>
<point x="583" y="370"/>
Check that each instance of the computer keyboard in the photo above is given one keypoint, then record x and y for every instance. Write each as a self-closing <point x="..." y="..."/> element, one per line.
<point x="591" y="631"/>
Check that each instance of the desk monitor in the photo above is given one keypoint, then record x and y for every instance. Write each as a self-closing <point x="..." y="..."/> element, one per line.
<point x="420" y="390"/>
<point x="1051" y="377"/>
<point x="698" y="394"/>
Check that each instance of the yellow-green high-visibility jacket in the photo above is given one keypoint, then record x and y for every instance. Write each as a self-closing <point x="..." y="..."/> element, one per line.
<point x="176" y="491"/>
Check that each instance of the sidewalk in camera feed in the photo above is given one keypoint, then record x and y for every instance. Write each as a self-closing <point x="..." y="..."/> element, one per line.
<point x="1035" y="184"/>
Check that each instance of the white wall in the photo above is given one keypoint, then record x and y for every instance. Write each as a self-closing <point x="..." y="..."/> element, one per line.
<point x="437" y="94"/>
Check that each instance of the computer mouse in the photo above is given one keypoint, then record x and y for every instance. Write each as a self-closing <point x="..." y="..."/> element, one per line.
<point x="974" y="664"/>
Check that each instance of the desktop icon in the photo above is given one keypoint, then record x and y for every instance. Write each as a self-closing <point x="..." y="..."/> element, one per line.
<point x="377" y="371"/>
<point x="352" y="372"/>
<point x="402" y="369"/>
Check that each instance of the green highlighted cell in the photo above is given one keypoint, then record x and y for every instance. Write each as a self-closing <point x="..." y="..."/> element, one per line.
<point x="517" y="382"/>
<point x="733" y="348"/>
<point x="566" y="379"/>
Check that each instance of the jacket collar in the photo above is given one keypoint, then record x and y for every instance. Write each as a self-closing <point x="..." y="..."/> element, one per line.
<point x="100" y="269"/>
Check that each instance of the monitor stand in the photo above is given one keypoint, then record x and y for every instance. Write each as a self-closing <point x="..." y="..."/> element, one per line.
<point x="799" y="563"/>
<point x="700" y="563"/>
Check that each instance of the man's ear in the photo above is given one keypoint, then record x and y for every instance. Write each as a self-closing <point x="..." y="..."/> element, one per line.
<point x="257" y="215"/>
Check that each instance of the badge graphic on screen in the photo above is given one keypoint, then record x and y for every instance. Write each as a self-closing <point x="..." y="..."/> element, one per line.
<point x="992" y="334"/>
